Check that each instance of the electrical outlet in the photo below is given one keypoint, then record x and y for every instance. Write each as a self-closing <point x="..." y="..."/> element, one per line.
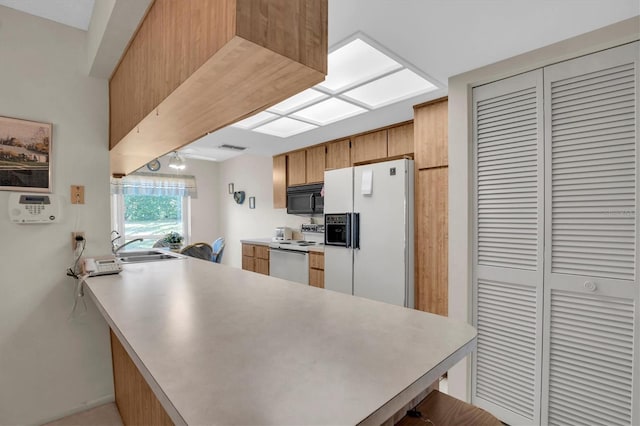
<point x="74" y="242"/>
<point x="77" y="194"/>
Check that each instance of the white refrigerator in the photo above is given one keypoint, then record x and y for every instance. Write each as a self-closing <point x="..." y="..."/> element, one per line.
<point x="372" y="255"/>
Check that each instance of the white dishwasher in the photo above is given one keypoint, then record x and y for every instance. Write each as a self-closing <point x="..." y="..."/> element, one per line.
<point x="292" y="265"/>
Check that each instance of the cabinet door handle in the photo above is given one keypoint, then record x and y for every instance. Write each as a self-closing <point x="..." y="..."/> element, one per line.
<point x="590" y="285"/>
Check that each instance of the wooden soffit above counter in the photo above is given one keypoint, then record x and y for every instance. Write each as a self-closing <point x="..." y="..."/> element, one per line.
<point x="196" y="66"/>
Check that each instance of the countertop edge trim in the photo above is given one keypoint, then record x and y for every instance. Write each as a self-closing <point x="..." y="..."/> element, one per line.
<point x="155" y="388"/>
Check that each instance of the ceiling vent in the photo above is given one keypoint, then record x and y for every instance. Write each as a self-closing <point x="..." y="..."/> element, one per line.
<point x="232" y="147"/>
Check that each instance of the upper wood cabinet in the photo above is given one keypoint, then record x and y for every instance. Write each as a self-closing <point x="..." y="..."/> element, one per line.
<point x="369" y="147"/>
<point x="306" y="166"/>
<point x="280" y="181"/>
<point x="400" y="140"/>
<point x="196" y="66"/>
<point x="315" y="164"/>
<point x="297" y="168"/>
<point x="431" y="134"/>
<point x="338" y="154"/>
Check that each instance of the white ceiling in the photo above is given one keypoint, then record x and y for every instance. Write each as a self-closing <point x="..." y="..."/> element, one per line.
<point x="75" y="13"/>
<point x="438" y="38"/>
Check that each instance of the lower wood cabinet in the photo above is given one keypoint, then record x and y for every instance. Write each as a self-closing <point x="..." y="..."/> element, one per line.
<point x="255" y="258"/>
<point x="316" y="269"/>
<point x="136" y="402"/>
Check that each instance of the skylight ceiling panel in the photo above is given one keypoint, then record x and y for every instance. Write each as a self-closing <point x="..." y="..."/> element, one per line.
<point x="393" y="88"/>
<point x="284" y="127"/>
<point x="302" y="99"/>
<point x="329" y="111"/>
<point x="255" y="120"/>
<point x="356" y="63"/>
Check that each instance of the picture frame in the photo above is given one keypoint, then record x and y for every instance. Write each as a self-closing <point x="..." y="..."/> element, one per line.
<point x="25" y="155"/>
<point x="252" y="202"/>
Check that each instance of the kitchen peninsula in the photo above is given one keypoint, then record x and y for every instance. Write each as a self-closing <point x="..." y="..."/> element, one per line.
<point x="218" y="345"/>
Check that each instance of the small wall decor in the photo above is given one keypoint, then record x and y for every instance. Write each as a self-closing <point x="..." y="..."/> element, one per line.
<point x="231" y="188"/>
<point x="239" y="196"/>
<point x="154" y="165"/>
<point x="25" y="155"/>
<point x="252" y="202"/>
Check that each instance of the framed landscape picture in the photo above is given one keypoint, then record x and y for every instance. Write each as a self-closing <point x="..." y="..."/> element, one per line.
<point x="25" y="155"/>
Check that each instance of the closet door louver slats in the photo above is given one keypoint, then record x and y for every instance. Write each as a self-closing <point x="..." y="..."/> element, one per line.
<point x="506" y="346"/>
<point x="591" y="231"/>
<point x="585" y="343"/>
<point x="508" y="266"/>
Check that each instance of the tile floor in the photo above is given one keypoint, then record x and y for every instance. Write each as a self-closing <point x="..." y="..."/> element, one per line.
<point x="103" y="415"/>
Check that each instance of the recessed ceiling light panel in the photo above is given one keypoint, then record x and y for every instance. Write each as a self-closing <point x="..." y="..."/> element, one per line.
<point x="284" y="127"/>
<point x="302" y="99"/>
<point x="255" y="120"/>
<point x="355" y="63"/>
<point x="328" y="111"/>
<point x="392" y="88"/>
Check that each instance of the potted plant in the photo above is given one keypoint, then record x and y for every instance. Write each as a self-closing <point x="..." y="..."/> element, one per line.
<point x="174" y="240"/>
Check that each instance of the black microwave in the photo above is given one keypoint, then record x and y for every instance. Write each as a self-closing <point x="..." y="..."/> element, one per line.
<point x="305" y="200"/>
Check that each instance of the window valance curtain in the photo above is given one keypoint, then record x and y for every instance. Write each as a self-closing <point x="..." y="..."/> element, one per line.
<point x="154" y="184"/>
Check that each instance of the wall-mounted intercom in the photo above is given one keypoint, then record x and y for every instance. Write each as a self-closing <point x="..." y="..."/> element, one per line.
<point x="34" y="208"/>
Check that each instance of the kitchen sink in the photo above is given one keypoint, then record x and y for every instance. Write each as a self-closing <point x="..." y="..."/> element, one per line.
<point x="147" y="256"/>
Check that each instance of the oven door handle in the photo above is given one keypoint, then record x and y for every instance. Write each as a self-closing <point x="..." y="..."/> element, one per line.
<point x="287" y="251"/>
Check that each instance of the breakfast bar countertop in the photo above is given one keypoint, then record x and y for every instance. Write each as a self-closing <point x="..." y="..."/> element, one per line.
<point x="219" y="345"/>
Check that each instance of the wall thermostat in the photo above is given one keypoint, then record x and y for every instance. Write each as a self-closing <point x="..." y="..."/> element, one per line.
<point x="34" y="208"/>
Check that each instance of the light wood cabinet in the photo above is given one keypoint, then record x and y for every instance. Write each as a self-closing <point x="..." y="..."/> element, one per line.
<point x="196" y="66"/>
<point x="316" y="269"/>
<point x="137" y="404"/>
<point x="255" y="258"/>
<point x="431" y="134"/>
<point x="369" y="147"/>
<point x="261" y="259"/>
<point x="338" y="154"/>
<point x="280" y="181"/>
<point x="431" y="240"/>
<point x="315" y="164"/>
<point x="400" y="140"/>
<point x="297" y="168"/>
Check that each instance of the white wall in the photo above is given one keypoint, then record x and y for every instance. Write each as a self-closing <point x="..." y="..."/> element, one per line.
<point x="52" y="363"/>
<point x="254" y="175"/>
<point x="460" y="144"/>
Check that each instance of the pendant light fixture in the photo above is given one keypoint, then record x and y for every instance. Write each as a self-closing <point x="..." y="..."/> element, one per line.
<point x="177" y="162"/>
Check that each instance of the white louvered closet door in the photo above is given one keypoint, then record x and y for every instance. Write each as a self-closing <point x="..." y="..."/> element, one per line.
<point x="508" y="230"/>
<point x="591" y="292"/>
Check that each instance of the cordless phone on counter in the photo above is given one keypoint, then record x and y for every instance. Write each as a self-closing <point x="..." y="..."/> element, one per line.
<point x="95" y="267"/>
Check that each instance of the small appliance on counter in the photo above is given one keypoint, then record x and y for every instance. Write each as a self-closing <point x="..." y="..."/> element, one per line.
<point x="282" y="233"/>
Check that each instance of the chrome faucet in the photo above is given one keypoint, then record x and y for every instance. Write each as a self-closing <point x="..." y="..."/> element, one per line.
<point x="115" y="248"/>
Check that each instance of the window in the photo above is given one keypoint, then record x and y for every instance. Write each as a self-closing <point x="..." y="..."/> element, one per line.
<point x="150" y="206"/>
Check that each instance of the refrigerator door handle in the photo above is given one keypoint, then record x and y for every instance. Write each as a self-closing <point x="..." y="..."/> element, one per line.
<point x="355" y="225"/>
<point x="348" y="230"/>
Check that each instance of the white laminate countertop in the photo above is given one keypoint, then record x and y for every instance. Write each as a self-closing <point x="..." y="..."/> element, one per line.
<point x="257" y="241"/>
<point x="219" y="345"/>
<point x="267" y="241"/>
